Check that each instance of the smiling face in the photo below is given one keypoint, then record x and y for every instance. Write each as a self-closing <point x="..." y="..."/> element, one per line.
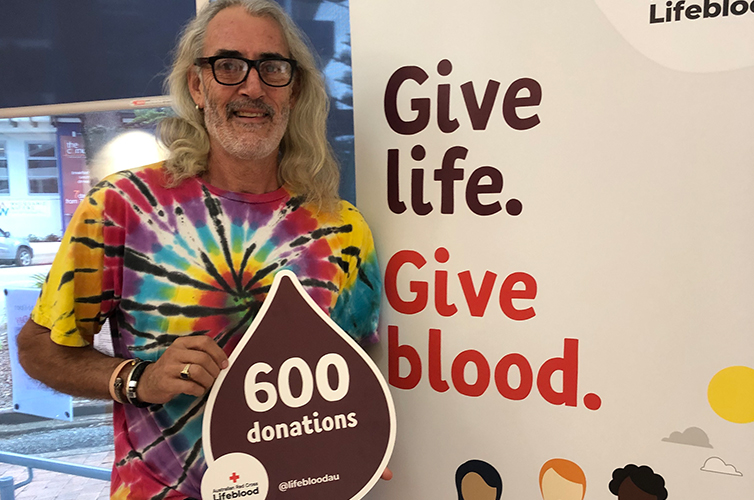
<point x="246" y="121"/>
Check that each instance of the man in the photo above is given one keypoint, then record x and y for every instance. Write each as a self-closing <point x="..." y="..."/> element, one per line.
<point x="179" y="256"/>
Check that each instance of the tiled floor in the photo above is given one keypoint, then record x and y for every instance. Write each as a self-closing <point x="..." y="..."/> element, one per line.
<point x="53" y="485"/>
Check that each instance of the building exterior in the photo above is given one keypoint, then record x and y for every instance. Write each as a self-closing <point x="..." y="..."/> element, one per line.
<point x="30" y="202"/>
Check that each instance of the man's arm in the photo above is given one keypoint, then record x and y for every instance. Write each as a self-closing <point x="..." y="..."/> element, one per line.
<point x="78" y="371"/>
<point x="85" y="372"/>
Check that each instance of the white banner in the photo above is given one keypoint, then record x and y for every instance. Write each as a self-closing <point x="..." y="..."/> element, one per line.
<point x="29" y="395"/>
<point x="561" y="197"/>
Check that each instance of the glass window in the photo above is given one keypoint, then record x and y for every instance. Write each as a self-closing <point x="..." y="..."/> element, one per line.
<point x="327" y="24"/>
<point x="4" y="185"/>
<point x="43" y="168"/>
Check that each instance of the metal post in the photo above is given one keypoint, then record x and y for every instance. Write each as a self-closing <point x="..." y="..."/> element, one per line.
<point x="7" y="491"/>
<point x="55" y="466"/>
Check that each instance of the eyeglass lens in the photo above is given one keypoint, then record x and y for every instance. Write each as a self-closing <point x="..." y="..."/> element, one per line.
<point x="230" y="71"/>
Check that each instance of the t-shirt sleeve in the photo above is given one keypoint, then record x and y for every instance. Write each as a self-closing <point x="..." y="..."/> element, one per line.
<point x="80" y="290"/>
<point x="357" y="309"/>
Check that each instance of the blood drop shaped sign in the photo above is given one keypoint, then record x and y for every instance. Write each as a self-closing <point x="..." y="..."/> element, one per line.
<point x="301" y="412"/>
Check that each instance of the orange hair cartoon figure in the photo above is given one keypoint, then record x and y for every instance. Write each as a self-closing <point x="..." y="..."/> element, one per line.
<point x="561" y="479"/>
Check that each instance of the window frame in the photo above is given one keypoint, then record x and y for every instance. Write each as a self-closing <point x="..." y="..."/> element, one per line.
<point x="4" y="159"/>
<point x="30" y="158"/>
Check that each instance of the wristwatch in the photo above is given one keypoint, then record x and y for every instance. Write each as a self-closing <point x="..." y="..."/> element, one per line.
<point x="133" y="383"/>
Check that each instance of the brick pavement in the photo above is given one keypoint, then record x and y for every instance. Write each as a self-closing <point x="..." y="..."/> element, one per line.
<point x="48" y="485"/>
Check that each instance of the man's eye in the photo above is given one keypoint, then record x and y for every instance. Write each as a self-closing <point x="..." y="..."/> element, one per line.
<point x="229" y="65"/>
<point x="271" y="67"/>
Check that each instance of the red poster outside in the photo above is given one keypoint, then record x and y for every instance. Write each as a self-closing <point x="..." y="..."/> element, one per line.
<point x="74" y="173"/>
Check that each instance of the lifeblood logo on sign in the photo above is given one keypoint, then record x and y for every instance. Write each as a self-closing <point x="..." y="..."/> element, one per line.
<point x="301" y="412"/>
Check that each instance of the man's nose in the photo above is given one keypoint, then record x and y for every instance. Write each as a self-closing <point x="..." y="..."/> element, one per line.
<point x="252" y="86"/>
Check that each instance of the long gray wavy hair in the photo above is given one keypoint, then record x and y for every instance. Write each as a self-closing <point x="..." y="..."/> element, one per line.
<point x="307" y="165"/>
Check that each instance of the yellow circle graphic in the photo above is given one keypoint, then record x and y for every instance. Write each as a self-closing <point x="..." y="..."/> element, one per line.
<point x="731" y="394"/>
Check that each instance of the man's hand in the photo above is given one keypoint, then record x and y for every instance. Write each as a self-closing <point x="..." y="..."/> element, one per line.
<point x="199" y="355"/>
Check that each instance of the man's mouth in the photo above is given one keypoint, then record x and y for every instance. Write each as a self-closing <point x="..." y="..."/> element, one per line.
<point x="250" y="109"/>
<point x="250" y="114"/>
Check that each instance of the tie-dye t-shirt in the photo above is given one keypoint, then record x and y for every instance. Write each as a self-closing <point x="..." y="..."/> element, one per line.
<point x="193" y="260"/>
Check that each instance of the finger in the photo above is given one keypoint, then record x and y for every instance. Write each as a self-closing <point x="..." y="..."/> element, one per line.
<point x="387" y="474"/>
<point x="192" y="388"/>
<point x="198" y="375"/>
<point x="156" y="386"/>
<point x="205" y="344"/>
<point x="173" y="386"/>
<point x="197" y="359"/>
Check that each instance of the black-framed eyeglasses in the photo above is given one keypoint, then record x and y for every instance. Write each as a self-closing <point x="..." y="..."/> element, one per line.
<point x="233" y="70"/>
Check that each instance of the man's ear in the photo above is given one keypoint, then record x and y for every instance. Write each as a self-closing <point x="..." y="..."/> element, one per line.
<point x="195" y="87"/>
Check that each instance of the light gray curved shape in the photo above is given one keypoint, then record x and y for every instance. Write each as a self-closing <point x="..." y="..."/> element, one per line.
<point x="693" y="436"/>
<point x="718" y="466"/>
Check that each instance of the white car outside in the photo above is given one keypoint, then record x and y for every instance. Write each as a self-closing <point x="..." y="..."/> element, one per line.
<point x="15" y="250"/>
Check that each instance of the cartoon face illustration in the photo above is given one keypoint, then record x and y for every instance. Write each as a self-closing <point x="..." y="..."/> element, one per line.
<point x="478" y="480"/>
<point x="637" y="483"/>
<point x="561" y="479"/>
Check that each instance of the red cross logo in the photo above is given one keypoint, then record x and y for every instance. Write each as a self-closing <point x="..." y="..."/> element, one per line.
<point x="234" y="477"/>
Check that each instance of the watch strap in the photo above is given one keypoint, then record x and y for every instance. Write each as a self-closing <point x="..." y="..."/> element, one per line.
<point x="133" y="383"/>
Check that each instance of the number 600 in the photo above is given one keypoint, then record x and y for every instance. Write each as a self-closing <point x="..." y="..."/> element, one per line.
<point x="252" y="387"/>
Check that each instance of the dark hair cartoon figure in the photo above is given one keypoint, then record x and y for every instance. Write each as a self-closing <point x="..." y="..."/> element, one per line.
<point x="478" y="480"/>
<point x="637" y="483"/>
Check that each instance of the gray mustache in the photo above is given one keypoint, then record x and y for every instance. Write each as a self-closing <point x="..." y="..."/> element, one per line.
<point x="234" y="106"/>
